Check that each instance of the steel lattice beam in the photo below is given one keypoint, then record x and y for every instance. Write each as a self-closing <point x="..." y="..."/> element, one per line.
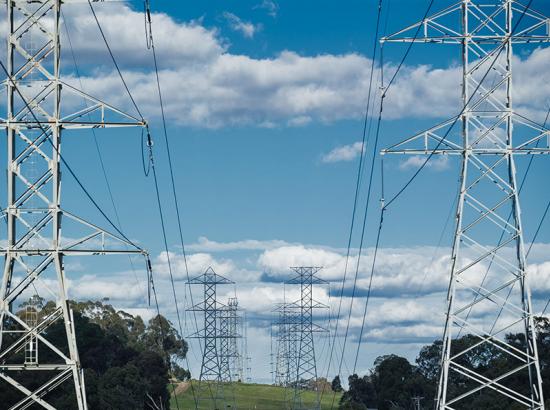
<point x="489" y="294"/>
<point x="36" y="118"/>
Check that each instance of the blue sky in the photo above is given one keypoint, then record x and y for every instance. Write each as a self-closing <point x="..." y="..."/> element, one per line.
<point x="258" y="95"/>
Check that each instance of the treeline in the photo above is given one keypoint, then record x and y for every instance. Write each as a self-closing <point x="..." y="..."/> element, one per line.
<point x="126" y="361"/>
<point x="393" y="383"/>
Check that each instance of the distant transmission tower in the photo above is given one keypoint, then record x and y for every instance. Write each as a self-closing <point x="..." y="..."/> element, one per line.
<point x="489" y="294"/>
<point x="304" y="329"/>
<point x="38" y="112"/>
<point x="279" y="332"/>
<point x="247" y="360"/>
<point x="214" y="366"/>
<point x="234" y="355"/>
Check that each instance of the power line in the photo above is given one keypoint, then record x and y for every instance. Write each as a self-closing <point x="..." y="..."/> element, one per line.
<point x="164" y="237"/>
<point x="114" y="60"/>
<point x="96" y="143"/>
<point x="357" y="187"/>
<point x="151" y="45"/>
<point x="151" y="164"/>
<point x="369" y="187"/>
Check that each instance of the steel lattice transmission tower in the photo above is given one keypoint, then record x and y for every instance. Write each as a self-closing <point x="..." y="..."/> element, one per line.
<point x="287" y="341"/>
<point x="214" y="366"/>
<point x="40" y="107"/>
<point x="235" y="358"/>
<point x="489" y="294"/>
<point x="305" y="328"/>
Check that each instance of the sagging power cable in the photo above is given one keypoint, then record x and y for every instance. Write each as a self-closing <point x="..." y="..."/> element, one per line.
<point x="151" y="164"/>
<point x="369" y="186"/>
<point x="114" y="60"/>
<point x="357" y="188"/>
<point x="97" y="147"/>
<point x="166" y="248"/>
<point x="150" y="43"/>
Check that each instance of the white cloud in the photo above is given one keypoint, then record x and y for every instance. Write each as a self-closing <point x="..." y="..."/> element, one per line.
<point x="406" y="306"/>
<point x="398" y="271"/>
<point x="246" y="28"/>
<point x="277" y="261"/>
<point x="92" y="287"/>
<point x="437" y="162"/>
<point x="294" y="90"/>
<point x="270" y="6"/>
<point x="176" y="42"/>
<point x="206" y="245"/>
<point x="197" y="264"/>
<point x="206" y="85"/>
<point x="344" y="153"/>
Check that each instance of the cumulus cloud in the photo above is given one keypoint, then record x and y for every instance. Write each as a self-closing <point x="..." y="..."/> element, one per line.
<point x="437" y="163"/>
<point x="211" y="87"/>
<point x="176" y="42"/>
<point x="405" y="308"/>
<point x="206" y="245"/>
<point x="344" y="153"/>
<point x="276" y="262"/>
<point x="293" y="89"/>
<point x="197" y="264"/>
<point x="399" y="271"/>
<point x="92" y="287"/>
<point x="246" y="28"/>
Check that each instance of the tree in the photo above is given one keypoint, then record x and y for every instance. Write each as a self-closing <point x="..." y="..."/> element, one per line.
<point x="394" y="381"/>
<point x="122" y="366"/>
<point x="336" y="384"/>
<point x="360" y="395"/>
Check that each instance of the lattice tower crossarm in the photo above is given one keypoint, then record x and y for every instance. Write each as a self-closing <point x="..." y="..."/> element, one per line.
<point x="489" y="294"/>
<point x="37" y="113"/>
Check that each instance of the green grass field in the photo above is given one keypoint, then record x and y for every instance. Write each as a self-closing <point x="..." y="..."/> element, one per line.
<point x="253" y="397"/>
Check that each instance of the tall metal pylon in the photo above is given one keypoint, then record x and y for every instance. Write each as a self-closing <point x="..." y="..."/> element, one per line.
<point x="489" y="293"/>
<point x="214" y="367"/>
<point x="247" y="360"/>
<point x="305" y="328"/>
<point x="279" y="331"/>
<point x="236" y="370"/>
<point x="38" y="112"/>
<point x="287" y="341"/>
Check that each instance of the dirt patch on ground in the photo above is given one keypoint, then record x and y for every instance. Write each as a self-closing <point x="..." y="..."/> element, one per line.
<point x="181" y="388"/>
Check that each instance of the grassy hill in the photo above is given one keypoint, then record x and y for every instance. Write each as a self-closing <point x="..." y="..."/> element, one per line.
<point x="251" y="397"/>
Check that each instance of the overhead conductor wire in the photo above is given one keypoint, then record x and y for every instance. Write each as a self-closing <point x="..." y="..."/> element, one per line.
<point x="369" y="188"/>
<point x="357" y="190"/>
<point x="151" y="45"/>
<point x="96" y="143"/>
<point x="157" y="192"/>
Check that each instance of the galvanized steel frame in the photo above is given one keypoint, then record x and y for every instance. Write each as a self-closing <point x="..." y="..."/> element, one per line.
<point x="492" y="136"/>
